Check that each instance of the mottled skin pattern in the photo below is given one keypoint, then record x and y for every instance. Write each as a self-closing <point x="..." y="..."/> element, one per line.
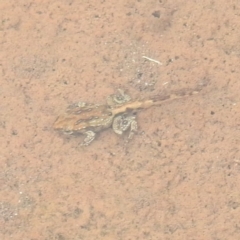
<point x="118" y="113"/>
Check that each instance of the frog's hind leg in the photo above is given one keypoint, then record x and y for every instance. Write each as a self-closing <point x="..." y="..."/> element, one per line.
<point x="90" y="136"/>
<point x="123" y="122"/>
<point x="118" y="99"/>
<point x="133" y="129"/>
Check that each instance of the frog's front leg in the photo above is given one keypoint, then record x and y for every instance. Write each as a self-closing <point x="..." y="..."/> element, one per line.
<point x="90" y="136"/>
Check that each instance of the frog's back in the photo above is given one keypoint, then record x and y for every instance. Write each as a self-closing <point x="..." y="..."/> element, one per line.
<point x="80" y="119"/>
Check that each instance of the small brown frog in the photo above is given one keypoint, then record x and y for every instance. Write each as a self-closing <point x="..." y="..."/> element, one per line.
<point x="119" y="113"/>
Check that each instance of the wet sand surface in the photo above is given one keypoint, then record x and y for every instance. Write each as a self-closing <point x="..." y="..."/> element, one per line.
<point x="178" y="178"/>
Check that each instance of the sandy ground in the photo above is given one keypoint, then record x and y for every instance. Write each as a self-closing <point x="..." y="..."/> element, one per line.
<point x="179" y="178"/>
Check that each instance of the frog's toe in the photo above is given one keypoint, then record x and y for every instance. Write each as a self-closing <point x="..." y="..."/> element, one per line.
<point x="90" y="136"/>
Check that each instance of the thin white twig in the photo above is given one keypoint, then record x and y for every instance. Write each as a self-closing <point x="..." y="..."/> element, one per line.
<point x="165" y="83"/>
<point x="152" y="60"/>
